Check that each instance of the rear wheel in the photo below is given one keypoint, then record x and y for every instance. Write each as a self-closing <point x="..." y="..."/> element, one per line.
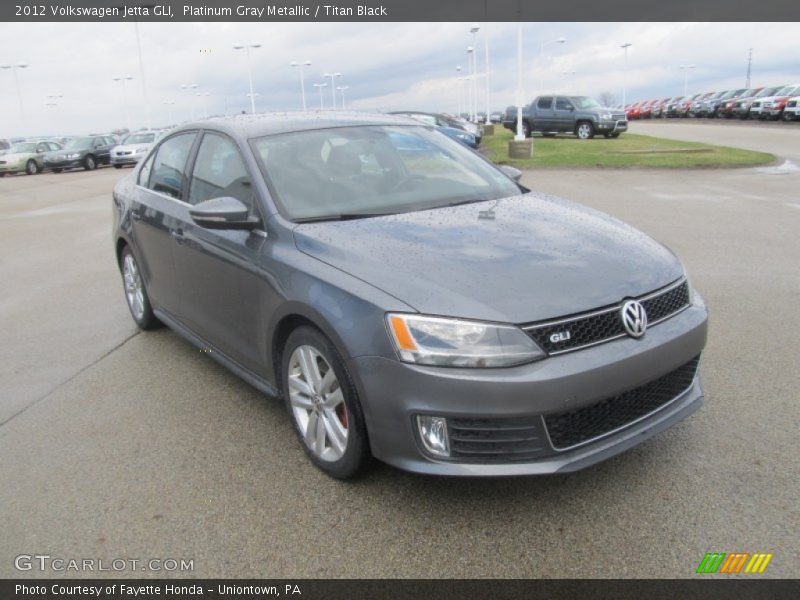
<point x="584" y="130"/>
<point x="32" y="168"/>
<point x="89" y="163"/>
<point x="323" y="402"/>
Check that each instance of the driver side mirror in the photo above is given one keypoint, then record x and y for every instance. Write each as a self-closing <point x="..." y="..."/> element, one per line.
<point x="512" y="172"/>
<point x="223" y="213"/>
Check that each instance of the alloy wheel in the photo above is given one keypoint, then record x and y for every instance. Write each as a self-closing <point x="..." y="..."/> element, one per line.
<point x="584" y="131"/>
<point x="134" y="292"/>
<point x="317" y="402"/>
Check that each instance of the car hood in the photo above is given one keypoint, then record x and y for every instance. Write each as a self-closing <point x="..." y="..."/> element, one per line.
<point x="515" y="260"/>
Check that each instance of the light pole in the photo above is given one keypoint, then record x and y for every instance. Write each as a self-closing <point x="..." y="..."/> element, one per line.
<point x="169" y="104"/>
<point x="302" y="80"/>
<point x="204" y="98"/>
<point x="123" y="79"/>
<point x="486" y="53"/>
<point x="246" y="48"/>
<point x="474" y="31"/>
<point x="333" y="76"/>
<point x="458" y="90"/>
<point x="542" y="46"/>
<point x="471" y="84"/>
<point x="320" y="86"/>
<point x="14" y="69"/>
<point x="686" y="69"/>
<point x="342" y="88"/>
<point x="625" y="47"/>
<point x="141" y="74"/>
<point x="190" y="87"/>
<point x="520" y="135"/>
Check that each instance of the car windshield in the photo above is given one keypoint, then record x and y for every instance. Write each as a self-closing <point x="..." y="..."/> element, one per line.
<point x="24" y="148"/>
<point x="140" y="138"/>
<point x="789" y="90"/>
<point x="584" y="102"/>
<point x="371" y="170"/>
<point x="79" y="143"/>
<point x="766" y="92"/>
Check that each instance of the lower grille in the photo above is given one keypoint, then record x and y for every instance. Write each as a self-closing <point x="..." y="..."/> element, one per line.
<point x="493" y="440"/>
<point x="578" y="426"/>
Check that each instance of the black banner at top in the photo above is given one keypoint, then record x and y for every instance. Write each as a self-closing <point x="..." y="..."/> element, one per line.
<point x="398" y="10"/>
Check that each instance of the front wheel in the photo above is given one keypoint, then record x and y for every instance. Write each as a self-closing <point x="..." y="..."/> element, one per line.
<point x="135" y="292"/>
<point x="584" y="130"/>
<point x="32" y="168"/>
<point x="323" y="402"/>
<point x="89" y="163"/>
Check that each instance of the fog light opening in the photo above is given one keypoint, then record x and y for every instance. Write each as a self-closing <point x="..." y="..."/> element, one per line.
<point x="433" y="433"/>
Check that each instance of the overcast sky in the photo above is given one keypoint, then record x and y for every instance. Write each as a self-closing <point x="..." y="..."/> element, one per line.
<point x="386" y="66"/>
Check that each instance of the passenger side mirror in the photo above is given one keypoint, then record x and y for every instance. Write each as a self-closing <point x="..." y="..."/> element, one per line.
<point x="222" y="213"/>
<point x="512" y="172"/>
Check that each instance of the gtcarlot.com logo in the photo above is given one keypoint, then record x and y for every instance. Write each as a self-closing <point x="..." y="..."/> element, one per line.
<point x="734" y="562"/>
<point x="45" y="562"/>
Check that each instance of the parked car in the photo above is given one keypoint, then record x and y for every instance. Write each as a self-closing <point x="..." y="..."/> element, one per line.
<point x="685" y="105"/>
<point x="697" y="104"/>
<point x="646" y="111"/>
<point x="743" y="104"/>
<point x="792" y="110"/>
<point x="772" y="106"/>
<point x="579" y="115"/>
<point x="658" y="107"/>
<point x="496" y="117"/>
<point x="133" y="148"/>
<point x="4" y="145"/>
<point x="728" y="106"/>
<point x="459" y="135"/>
<point x="26" y="157"/>
<point x="81" y="152"/>
<point x="714" y="104"/>
<point x="632" y="111"/>
<point x="672" y="107"/>
<point x="444" y="120"/>
<point x="428" y="311"/>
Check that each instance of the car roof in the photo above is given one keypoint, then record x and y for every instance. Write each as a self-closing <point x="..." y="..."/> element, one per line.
<point x="258" y="125"/>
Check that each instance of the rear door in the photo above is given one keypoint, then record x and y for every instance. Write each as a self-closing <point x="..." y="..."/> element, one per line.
<point x="157" y="210"/>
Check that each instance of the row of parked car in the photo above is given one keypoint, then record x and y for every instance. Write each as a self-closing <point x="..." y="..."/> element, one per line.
<point x="774" y="103"/>
<point x="85" y="152"/>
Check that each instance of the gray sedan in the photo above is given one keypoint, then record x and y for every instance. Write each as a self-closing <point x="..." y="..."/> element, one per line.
<point x="408" y="300"/>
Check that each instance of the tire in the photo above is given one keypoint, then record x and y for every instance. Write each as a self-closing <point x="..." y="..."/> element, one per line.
<point x="57" y="170"/>
<point x="584" y="130"/>
<point x="32" y="167"/>
<point x="324" y="411"/>
<point x="136" y="293"/>
<point x="90" y="163"/>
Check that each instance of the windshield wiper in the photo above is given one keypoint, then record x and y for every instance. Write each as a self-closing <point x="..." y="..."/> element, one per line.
<point x="343" y="217"/>
<point x="470" y="201"/>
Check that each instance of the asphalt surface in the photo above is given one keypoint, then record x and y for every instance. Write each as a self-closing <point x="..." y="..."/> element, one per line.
<point x="118" y="444"/>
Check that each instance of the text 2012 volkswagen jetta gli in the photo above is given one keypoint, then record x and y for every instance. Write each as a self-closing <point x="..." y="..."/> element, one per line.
<point x="407" y="298"/>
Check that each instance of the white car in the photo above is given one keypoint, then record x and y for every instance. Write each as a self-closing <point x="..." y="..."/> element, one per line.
<point x="133" y="148"/>
<point x="771" y="106"/>
<point x="792" y="110"/>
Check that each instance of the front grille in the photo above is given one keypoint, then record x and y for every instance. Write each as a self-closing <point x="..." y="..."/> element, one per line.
<point x="492" y="440"/>
<point x="619" y="117"/>
<point x="791" y="104"/>
<point x="575" y="427"/>
<point x="606" y="324"/>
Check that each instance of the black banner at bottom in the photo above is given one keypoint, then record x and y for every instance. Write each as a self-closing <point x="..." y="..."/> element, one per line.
<point x="379" y="589"/>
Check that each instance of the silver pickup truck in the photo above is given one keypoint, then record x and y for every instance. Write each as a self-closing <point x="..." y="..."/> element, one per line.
<point x="579" y="115"/>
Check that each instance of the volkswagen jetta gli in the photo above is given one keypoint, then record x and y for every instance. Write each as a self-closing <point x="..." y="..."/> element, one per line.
<point x="408" y="299"/>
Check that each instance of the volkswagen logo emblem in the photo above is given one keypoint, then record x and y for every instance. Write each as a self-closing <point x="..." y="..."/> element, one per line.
<point x="634" y="318"/>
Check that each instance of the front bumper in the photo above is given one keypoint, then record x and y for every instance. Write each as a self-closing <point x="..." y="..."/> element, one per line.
<point x="127" y="159"/>
<point x="63" y="164"/>
<point x="393" y="393"/>
<point x="12" y="168"/>
<point x="612" y="126"/>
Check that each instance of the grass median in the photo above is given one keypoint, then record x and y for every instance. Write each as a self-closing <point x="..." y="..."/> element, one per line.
<point x="629" y="150"/>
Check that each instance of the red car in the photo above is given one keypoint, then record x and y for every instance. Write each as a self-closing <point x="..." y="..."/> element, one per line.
<point x="632" y="111"/>
<point x="646" y="110"/>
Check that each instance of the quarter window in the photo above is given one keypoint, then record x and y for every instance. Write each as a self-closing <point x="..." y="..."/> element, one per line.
<point x="169" y="166"/>
<point x="219" y="171"/>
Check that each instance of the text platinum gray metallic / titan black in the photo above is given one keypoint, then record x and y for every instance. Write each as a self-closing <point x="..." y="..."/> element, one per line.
<point x="407" y="299"/>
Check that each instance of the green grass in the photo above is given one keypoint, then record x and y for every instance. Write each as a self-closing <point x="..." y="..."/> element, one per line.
<point x="627" y="151"/>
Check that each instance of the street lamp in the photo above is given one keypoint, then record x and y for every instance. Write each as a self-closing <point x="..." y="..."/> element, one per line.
<point x="169" y="104"/>
<point x="190" y="87"/>
<point x="474" y="31"/>
<point x="141" y="74"/>
<point x="686" y="69"/>
<point x="123" y="79"/>
<point x="320" y="86"/>
<point x="14" y="69"/>
<point x="333" y="76"/>
<point x="302" y="80"/>
<point x="342" y="88"/>
<point x="486" y="54"/>
<point x="246" y="48"/>
<point x="458" y="89"/>
<point x="625" y="47"/>
<point x="520" y="135"/>
<point x="204" y="96"/>
<point x="542" y="46"/>
<point x="471" y="84"/>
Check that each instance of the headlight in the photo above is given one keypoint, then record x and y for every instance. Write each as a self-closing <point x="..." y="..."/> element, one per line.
<point x="73" y="155"/>
<point x="607" y="116"/>
<point x="458" y="343"/>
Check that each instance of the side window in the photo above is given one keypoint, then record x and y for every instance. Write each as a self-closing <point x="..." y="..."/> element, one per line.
<point x="169" y="166"/>
<point x="545" y="102"/>
<point x="219" y="171"/>
<point x="563" y="103"/>
<point x="41" y="147"/>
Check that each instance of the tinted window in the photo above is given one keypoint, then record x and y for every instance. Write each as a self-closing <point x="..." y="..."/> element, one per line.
<point x="219" y="171"/>
<point x="545" y="102"/>
<point x="169" y="166"/>
<point x="563" y="104"/>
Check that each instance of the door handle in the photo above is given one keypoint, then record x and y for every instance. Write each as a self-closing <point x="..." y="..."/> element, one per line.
<point x="136" y="215"/>
<point x="177" y="235"/>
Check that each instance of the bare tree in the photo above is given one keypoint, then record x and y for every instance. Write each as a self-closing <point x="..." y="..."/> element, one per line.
<point x="607" y="99"/>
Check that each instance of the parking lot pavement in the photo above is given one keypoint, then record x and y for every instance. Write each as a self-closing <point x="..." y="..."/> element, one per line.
<point x="139" y="446"/>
